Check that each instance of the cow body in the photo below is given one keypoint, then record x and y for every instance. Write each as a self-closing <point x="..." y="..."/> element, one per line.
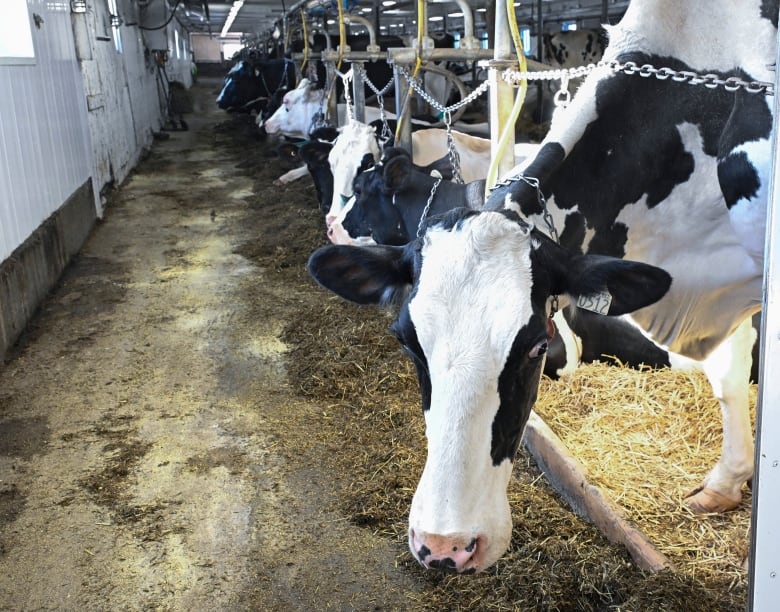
<point x="675" y="177"/>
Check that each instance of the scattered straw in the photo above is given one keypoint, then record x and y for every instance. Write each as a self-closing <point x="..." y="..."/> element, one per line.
<point x="647" y="438"/>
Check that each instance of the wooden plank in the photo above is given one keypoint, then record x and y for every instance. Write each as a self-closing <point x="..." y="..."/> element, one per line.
<point x="569" y="478"/>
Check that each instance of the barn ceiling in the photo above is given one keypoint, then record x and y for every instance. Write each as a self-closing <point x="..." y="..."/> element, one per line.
<point x="257" y="18"/>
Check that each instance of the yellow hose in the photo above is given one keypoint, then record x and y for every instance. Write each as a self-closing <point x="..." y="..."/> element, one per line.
<point x="509" y="129"/>
<point x="402" y="116"/>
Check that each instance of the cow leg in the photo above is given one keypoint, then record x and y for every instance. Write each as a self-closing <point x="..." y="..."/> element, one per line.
<point x="292" y="175"/>
<point x="728" y="370"/>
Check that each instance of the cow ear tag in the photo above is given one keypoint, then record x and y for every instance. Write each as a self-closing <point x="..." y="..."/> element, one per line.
<point x="595" y="302"/>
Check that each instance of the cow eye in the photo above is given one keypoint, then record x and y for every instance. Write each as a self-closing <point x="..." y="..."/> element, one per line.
<point x="539" y="349"/>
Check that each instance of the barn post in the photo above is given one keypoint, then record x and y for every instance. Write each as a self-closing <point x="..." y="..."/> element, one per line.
<point x="764" y="572"/>
<point x="403" y="136"/>
<point x="501" y="97"/>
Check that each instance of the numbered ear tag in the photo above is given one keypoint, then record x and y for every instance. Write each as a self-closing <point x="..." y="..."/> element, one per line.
<point x="595" y="302"/>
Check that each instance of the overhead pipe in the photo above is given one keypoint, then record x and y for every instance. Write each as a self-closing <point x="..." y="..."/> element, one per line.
<point x="372" y="46"/>
<point x="468" y="40"/>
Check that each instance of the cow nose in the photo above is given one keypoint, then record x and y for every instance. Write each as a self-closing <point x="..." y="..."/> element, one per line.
<point x="448" y="553"/>
<point x="329" y="219"/>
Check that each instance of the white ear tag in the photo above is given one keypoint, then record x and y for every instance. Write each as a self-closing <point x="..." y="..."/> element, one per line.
<point x="595" y="302"/>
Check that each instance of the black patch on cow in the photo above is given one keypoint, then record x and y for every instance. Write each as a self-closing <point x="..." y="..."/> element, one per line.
<point x="406" y="334"/>
<point x="573" y="234"/>
<point x="612" y="340"/>
<point x="738" y="178"/>
<point x="546" y="162"/>
<point x="314" y="153"/>
<point x="632" y="149"/>
<point x="518" y="385"/>
<point x="769" y="10"/>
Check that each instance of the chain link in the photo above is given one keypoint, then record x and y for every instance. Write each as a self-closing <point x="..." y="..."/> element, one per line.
<point x="387" y="133"/>
<point x="427" y="208"/>
<point x="417" y="87"/>
<point x="709" y="80"/>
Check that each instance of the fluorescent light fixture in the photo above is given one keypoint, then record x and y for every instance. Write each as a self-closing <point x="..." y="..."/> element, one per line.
<point x="436" y="18"/>
<point x="389" y="3"/>
<point x="481" y="10"/>
<point x="366" y="10"/>
<point x="331" y="21"/>
<point x="237" y="4"/>
<point x="458" y="14"/>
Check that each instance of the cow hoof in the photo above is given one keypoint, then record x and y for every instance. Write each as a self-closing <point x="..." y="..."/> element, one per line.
<point x="704" y="500"/>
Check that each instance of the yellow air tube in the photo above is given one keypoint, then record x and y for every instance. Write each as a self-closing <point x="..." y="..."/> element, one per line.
<point x="403" y="116"/>
<point x="508" y="132"/>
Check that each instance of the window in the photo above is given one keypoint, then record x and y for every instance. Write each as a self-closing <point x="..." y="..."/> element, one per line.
<point x="568" y="25"/>
<point x="525" y="38"/>
<point x="16" y="43"/>
<point x="115" y="23"/>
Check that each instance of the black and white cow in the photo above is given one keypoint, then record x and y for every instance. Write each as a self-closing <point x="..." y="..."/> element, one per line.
<point x="392" y="199"/>
<point x="255" y="86"/>
<point x="636" y="169"/>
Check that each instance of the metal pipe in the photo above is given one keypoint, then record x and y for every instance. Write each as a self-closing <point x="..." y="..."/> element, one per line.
<point x="403" y="134"/>
<point x="358" y="93"/>
<point x="372" y="46"/>
<point x="467" y="41"/>
<point x="501" y="93"/>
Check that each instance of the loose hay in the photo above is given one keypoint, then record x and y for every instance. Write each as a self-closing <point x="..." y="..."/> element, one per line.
<point x="647" y="438"/>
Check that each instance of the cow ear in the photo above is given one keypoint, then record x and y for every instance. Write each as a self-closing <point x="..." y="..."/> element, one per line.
<point x="397" y="172"/>
<point x="615" y="286"/>
<point x="377" y="275"/>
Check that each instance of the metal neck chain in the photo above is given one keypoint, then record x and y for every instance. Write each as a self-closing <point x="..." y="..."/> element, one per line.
<point x="709" y="80"/>
<point x="346" y="77"/>
<point x="387" y="133"/>
<point x="417" y="87"/>
<point x="427" y="208"/>
<point x="452" y="151"/>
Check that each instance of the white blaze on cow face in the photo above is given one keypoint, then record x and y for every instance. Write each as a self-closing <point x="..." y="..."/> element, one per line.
<point x="467" y="313"/>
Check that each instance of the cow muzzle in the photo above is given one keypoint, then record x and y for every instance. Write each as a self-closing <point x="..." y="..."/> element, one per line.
<point x="456" y="553"/>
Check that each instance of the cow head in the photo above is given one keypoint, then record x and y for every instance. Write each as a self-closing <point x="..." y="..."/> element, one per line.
<point x="356" y="140"/>
<point x="473" y="294"/>
<point x="232" y="93"/>
<point x="370" y="212"/>
<point x="314" y="153"/>
<point x="294" y="116"/>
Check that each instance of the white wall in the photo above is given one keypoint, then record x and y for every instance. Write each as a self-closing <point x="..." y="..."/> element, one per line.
<point x="206" y="48"/>
<point x="126" y="88"/>
<point x="45" y="153"/>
